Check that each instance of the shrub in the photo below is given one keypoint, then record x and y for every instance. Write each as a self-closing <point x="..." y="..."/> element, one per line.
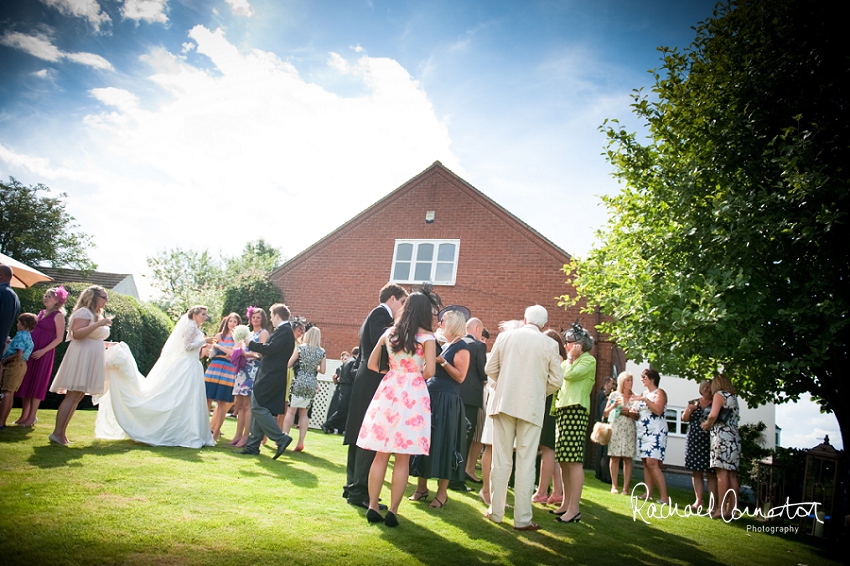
<point x="251" y="288"/>
<point x="143" y="327"/>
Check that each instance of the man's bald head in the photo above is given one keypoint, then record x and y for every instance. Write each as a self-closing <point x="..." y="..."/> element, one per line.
<point x="474" y="326"/>
<point x="5" y="273"/>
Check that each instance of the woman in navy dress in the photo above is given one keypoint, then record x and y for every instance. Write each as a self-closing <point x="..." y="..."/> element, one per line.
<point x="698" y="445"/>
<point x="448" y="419"/>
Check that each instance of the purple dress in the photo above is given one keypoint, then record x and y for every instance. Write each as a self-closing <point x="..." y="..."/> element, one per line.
<point x="38" y="371"/>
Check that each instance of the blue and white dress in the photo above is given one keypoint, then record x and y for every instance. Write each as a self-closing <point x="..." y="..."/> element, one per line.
<point x="244" y="383"/>
<point x="651" y="430"/>
<point x="725" y="440"/>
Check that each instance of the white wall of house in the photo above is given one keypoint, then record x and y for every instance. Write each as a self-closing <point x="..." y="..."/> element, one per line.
<point x="679" y="392"/>
<point x="127" y="286"/>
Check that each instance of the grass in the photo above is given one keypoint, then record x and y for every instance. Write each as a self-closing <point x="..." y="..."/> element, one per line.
<point x="100" y="502"/>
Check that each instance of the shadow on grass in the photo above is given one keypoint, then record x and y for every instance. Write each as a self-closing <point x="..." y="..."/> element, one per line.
<point x="578" y="543"/>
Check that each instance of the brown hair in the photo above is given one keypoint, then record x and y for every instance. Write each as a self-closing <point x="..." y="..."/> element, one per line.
<point x="722" y="383"/>
<point x="281" y="310"/>
<point x="652" y="375"/>
<point x="392" y="290"/>
<point x="222" y="327"/>
<point x="28" y="320"/>
<point x="553" y="334"/>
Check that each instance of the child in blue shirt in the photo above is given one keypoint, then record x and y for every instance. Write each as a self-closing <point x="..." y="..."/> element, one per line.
<point x="14" y="364"/>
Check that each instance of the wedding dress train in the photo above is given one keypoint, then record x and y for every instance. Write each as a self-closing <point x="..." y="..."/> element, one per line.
<point x="166" y="408"/>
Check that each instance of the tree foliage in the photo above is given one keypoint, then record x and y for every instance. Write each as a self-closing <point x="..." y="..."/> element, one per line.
<point x="186" y="278"/>
<point x="727" y="247"/>
<point x="36" y="229"/>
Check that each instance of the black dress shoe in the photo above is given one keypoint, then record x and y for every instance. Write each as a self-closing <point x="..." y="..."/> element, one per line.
<point x="374" y="517"/>
<point x="247" y="451"/>
<point x="281" y="448"/>
<point x="327" y="430"/>
<point x="391" y="520"/>
<point x="458" y="486"/>
<point x="473" y="480"/>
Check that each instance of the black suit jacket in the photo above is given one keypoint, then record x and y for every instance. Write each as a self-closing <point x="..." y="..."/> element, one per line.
<point x="346" y="373"/>
<point x="366" y="381"/>
<point x="270" y="382"/>
<point x="472" y="388"/>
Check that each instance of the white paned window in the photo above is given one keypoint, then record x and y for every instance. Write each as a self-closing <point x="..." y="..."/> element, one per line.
<point x="418" y="261"/>
<point x="675" y="425"/>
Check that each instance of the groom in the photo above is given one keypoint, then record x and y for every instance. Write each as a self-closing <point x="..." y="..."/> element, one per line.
<point x="269" y="396"/>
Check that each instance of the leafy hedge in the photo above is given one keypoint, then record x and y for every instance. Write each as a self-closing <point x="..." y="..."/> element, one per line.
<point x="143" y="327"/>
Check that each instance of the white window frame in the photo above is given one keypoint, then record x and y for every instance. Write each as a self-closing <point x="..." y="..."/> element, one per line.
<point x="416" y="243"/>
<point x="679" y="422"/>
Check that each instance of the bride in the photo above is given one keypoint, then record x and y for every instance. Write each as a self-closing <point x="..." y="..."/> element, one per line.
<point x="169" y="407"/>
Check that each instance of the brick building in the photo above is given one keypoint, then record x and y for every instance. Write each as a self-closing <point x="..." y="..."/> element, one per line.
<point x="434" y="227"/>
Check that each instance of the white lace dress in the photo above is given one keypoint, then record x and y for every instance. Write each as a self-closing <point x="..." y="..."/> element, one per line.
<point x="166" y="408"/>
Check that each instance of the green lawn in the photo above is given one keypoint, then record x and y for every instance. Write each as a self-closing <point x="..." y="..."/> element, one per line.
<point x="100" y="502"/>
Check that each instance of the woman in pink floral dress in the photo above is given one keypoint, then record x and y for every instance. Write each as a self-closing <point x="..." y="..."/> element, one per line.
<point x="398" y="420"/>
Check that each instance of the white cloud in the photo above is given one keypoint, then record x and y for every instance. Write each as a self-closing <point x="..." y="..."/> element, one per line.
<point x="804" y="426"/>
<point x="45" y="73"/>
<point x="88" y="9"/>
<point x="358" y="49"/>
<point x="337" y="62"/>
<point x="90" y="59"/>
<point x="40" y="46"/>
<point x="151" y="11"/>
<point x="240" y="7"/>
<point x="37" y="45"/>
<point x="251" y="141"/>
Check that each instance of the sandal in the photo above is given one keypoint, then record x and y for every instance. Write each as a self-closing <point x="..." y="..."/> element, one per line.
<point x="439" y="504"/>
<point x="419" y="496"/>
<point x="542" y="499"/>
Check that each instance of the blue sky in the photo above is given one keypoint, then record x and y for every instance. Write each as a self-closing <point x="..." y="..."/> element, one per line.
<point x="206" y="124"/>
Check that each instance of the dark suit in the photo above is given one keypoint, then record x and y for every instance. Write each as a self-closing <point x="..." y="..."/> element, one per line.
<point x="339" y="416"/>
<point x="269" y="395"/>
<point x="365" y="385"/>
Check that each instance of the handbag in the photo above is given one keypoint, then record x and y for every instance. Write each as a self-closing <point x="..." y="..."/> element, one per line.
<point x="722" y="417"/>
<point x="601" y="433"/>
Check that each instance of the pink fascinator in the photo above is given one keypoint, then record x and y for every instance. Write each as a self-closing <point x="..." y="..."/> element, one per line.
<point x="61" y="294"/>
<point x="249" y="312"/>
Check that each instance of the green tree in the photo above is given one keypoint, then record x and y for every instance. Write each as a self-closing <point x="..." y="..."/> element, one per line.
<point x="36" y="229"/>
<point x="728" y="245"/>
<point x="185" y="278"/>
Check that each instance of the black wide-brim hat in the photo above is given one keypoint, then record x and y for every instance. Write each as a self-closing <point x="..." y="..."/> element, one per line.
<point x="462" y="310"/>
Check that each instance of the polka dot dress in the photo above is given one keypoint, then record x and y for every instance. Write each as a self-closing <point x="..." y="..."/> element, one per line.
<point x="698" y="444"/>
<point x="571" y="425"/>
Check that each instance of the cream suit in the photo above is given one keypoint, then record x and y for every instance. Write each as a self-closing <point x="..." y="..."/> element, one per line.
<point x="526" y="367"/>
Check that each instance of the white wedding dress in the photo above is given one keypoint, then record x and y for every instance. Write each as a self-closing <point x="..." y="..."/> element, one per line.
<point x="166" y="408"/>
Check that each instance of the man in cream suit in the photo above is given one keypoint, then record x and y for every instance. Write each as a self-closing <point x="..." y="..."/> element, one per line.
<point x="526" y="367"/>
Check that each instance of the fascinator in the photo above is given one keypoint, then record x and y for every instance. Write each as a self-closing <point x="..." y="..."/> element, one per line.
<point x="427" y="289"/>
<point x="249" y="312"/>
<point x="61" y="294"/>
<point x="462" y="310"/>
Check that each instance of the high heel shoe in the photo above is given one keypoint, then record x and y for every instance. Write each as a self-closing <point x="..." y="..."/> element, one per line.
<point x="419" y="496"/>
<point x="555" y="500"/>
<point x="56" y="440"/>
<point x="576" y="519"/>
<point x="373" y="516"/>
<point x="439" y="504"/>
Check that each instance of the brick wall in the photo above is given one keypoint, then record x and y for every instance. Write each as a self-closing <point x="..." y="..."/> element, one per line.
<point x="503" y="265"/>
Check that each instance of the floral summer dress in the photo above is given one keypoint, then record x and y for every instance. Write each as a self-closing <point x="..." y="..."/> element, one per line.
<point x="399" y="417"/>
<point x="725" y="440"/>
<point x="651" y="431"/>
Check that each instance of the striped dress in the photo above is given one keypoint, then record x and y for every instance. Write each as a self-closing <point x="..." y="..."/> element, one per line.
<point x="221" y="375"/>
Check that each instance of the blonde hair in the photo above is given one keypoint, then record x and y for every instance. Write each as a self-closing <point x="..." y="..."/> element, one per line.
<point x="722" y="383"/>
<point x="88" y="300"/>
<point x="313" y="338"/>
<point x="455" y="324"/>
<point x="704" y="383"/>
<point x="190" y="314"/>
<point x="621" y="379"/>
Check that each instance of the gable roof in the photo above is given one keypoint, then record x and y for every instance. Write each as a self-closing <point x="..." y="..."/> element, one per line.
<point x="435" y="168"/>
<point x="102" y="278"/>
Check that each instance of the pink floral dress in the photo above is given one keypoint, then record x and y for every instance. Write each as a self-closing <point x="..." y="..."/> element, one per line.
<point x="399" y="417"/>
